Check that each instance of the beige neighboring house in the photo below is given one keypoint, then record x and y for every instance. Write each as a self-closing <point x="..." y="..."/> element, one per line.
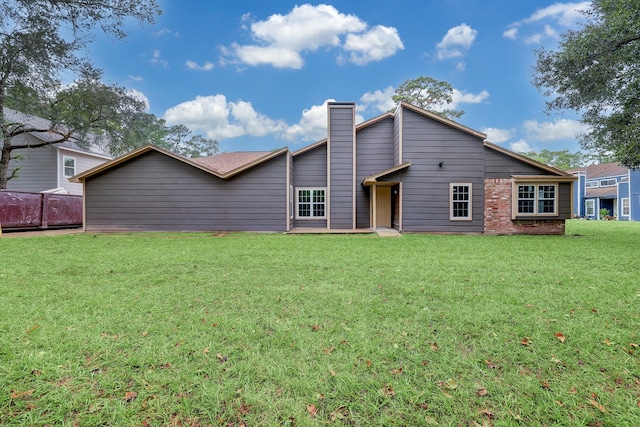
<point x="48" y="168"/>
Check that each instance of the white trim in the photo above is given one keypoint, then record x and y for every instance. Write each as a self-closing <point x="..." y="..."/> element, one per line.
<point x="64" y="166"/>
<point x="289" y="192"/>
<point x="353" y="169"/>
<point x="86" y="153"/>
<point x="469" y="217"/>
<point x="622" y="200"/>
<point x="311" y="217"/>
<point x="586" y="209"/>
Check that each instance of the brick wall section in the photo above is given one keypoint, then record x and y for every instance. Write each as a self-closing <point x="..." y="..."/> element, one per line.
<point x="497" y="213"/>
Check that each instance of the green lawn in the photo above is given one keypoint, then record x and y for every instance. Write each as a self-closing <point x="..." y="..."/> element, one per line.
<point x="266" y="330"/>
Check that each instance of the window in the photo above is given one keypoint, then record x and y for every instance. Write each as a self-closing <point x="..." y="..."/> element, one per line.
<point x="590" y="207"/>
<point x="625" y="206"/>
<point x="592" y="184"/>
<point x="69" y="166"/>
<point x="536" y="199"/>
<point x="460" y="197"/>
<point x="311" y="203"/>
<point x="607" y="182"/>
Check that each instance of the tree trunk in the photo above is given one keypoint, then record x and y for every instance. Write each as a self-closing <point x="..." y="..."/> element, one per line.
<point x="4" y="163"/>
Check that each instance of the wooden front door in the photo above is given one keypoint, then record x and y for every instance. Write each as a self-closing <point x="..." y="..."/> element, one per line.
<point x="383" y="207"/>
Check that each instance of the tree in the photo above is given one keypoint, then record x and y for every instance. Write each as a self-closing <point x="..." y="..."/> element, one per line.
<point x="595" y="72"/>
<point x="429" y="94"/>
<point x="561" y="159"/>
<point x="42" y="39"/>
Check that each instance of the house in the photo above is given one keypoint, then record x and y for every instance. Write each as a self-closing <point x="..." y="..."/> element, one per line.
<point x="609" y="186"/>
<point x="48" y="168"/>
<point x="411" y="169"/>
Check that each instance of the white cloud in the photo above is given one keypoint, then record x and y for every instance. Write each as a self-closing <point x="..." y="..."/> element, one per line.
<point x="457" y="40"/>
<point x="279" y="57"/>
<point x="553" y="131"/>
<point x="220" y="119"/>
<point x="139" y="96"/>
<point x="281" y="39"/>
<point x="156" y="59"/>
<point x="192" y="65"/>
<point x="563" y="14"/>
<point x="537" y="38"/>
<point x="460" y="97"/>
<point x="379" y="100"/>
<point x="520" y="146"/>
<point x="374" y="45"/>
<point x="497" y="135"/>
<point x="510" y="33"/>
<point x="136" y="78"/>
<point x="312" y="126"/>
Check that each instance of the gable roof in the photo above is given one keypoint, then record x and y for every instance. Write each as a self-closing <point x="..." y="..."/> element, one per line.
<point x="226" y="162"/>
<point x="236" y="167"/>
<point x="525" y="159"/>
<point x="603" y="170"/>
<point x="441" y="119"/>
<point x="19" y="118"/>
<point x="371" y="179"/>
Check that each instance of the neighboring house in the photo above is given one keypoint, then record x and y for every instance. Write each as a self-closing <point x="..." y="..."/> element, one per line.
<point x="411" y="169"/>
<point x="48" y="168"/>
<point x="609" y="186"/>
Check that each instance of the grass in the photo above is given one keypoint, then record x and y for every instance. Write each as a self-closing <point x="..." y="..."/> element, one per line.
<point x="262" y="330"/>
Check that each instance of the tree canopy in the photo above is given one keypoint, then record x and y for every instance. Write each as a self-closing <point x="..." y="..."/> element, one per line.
<point x="596" y="72"/>
<point x="43" y="41"/>
<point x="429" y="94"/>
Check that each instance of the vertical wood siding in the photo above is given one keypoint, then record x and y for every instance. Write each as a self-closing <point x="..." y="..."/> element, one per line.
<point x="374" y="153"/>
<point x="341" y="127"/>
<point x="310" y="171"/>
<point x="426" y="187"/>
<point x="156" y="192"/>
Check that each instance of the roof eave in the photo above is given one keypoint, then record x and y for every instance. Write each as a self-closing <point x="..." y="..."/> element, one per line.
<point x="443" y="120"/>
<point x="525" y="159"/>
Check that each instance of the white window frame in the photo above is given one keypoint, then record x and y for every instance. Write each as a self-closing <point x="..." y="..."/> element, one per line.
<point x="609" y="182"/>
<point x="292" y="203"/>
<point x="453" y="200"/>
<point x="626" y="207"/>
<point x="311" y="202"/>
<point x="64" y="166"/>
<point x="536" y="199"/>
<point x="592" y="184"/>
<point x="590" y="204"/>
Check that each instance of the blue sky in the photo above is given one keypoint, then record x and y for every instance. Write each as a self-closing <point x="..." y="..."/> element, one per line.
<point x="256" y="75"/>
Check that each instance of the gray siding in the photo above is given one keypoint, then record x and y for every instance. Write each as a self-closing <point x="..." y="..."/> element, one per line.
<point x="156" y="192"/>
<point x="499" y="165"/>
<point x="374" y="153"/>
<point x="341" y="133"/>
<point x="425" y="197"/>
<point x="397" y="123"/>
<point x="310" y="170"/>
<point x="38" y="168"/>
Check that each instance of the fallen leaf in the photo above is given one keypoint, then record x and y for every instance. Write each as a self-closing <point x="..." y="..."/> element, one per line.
<point x="593" y="310"/>
<point x="33" y="328"/>
<point x="205" y="350"/>
<point x="526" y="342"/>
<point x="221" y="358"/>
<point x="333" y="373"/>
<point x="598" y="405"/>
<point x="490" y="364"/>
<point x="130" y="396"/>
<point x="368" y="362"/>
<point x="312" y="410"/>
<point x="573" y="390"/>
<point x="423" y="406"/>
<point x="545" y="385"/>
<point x="145" y="333"/>
<point x="481" y="392"/>
<point x="487" y="413"/>
<point x="20" y="394"/>
<point x="434" y="346"/>
<point x="388" y="391"/>
<point x="244" y="409"/>
<point x="314" y="328"/>
<point x="329" y="350"/>
<point x="607" y="342"/>
<point x="396" y="371"/>
<point x="560" y="336"/>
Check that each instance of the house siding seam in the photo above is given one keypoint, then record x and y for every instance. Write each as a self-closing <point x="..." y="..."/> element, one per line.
<point x="497" y="213"/>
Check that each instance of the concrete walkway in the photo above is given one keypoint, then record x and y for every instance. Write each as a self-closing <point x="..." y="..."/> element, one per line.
<point x="388" y="232"/>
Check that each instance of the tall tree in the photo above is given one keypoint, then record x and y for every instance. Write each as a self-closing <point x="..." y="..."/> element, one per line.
<point x="562" y="159"/>
<point x="596" y="72"/>
<point x="42" y="39"/>
<point x="429" y="94"/>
